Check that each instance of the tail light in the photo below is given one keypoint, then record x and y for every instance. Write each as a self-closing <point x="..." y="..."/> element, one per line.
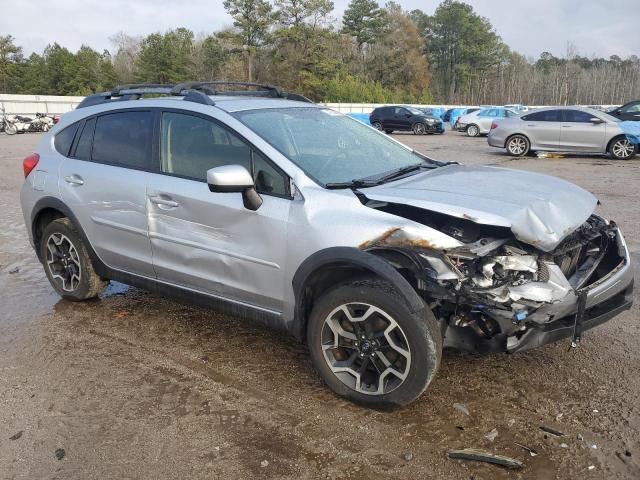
<point x="494" y="125"/>
<point x="29" y="163"/>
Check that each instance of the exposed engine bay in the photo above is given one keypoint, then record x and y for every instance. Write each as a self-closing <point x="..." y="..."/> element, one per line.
<point x="493" y="283"/>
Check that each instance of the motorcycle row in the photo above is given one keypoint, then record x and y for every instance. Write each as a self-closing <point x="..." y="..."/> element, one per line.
<point x="12" y="124"/>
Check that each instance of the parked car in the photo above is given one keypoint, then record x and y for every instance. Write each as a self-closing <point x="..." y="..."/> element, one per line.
<point x="563" y="129"/>
<point x="405" y="119"/>
<point x="286" y="212"/>
<point x="629" y="111"/>
<point x="479" y="122"/>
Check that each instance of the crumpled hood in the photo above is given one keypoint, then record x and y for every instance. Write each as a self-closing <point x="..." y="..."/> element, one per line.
<point x="540" y="210"/>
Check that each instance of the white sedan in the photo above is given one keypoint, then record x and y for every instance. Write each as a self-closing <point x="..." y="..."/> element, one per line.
<point x="479" y="122"/>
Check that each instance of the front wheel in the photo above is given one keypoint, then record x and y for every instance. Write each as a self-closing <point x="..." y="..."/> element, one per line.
<point x="67" y="262"/>
<point x="419" y="129"/>
<point x="370" y="348"/>
<point x="622" y="149"/>
<point x="518" y="146"/>
<point x="473" y="131"/>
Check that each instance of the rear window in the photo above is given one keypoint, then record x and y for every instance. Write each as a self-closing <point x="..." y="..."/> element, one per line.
<point x="64" y="139"/>
<point x="124" y="139"/>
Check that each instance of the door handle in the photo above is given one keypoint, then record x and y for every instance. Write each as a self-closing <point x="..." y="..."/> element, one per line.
<point x="165" y="202"/>
<point x="530" y="125"/>
<point x="74" y="179"/>
<point x="567" y="126"/>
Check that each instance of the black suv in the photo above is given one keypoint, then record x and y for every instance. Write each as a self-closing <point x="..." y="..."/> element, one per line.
<point x="629" y="111"/>
<point x="404" y="118"/>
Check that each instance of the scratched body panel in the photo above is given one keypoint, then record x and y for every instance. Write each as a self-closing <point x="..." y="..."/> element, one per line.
<point x="211" y="243"/>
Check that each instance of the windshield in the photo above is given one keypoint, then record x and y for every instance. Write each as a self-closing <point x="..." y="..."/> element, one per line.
<point x="415" y="111"/>
<point x="330" y="147"/>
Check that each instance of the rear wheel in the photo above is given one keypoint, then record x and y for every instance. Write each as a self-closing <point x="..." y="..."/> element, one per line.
<point x="622" y="149"/>
<point x="377" y="125"/>
<point x="419" y="129"/>
<point x="67" y="263"/>
<point x="370" y="348"/>
<point x="518" y="145"/>
<point x="473" y="131"/>
<point x="388" y="132"/>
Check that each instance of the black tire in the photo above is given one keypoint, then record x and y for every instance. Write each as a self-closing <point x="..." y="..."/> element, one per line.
<point x="89" y="284"/>
<point x="388" y="132"/>
<point x="622" y="149"/>
<point x="377" y="125"/>
<point x="518" y="145"/>
<point x="472" y="130"/>
<point x="421" y="332"/>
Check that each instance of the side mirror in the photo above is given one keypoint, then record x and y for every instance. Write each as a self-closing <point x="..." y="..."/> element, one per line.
<point x="234" y="178"/>
<point x="596" y="120"/>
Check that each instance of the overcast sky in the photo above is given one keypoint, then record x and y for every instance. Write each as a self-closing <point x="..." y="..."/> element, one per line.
<point x="595" y="27"/>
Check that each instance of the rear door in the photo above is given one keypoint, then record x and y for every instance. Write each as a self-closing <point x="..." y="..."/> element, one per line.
<point x="543" y="128"/>
<point x="104" y="184"/>
<point x="210" y="242"/>
<point x="580" y="134"/>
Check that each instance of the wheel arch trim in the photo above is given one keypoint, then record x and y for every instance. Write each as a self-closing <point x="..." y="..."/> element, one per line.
<point x="46" y="203"/>
<point x="350" y="257"/>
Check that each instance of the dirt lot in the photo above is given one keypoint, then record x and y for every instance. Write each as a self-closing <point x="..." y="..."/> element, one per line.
<point x="137" y="386"/>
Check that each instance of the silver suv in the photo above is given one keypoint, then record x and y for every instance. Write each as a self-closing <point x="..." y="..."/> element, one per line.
<point x="289" y="213"/>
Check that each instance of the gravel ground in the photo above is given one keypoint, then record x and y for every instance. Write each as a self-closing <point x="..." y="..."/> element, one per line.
<point x="133" y="385"/>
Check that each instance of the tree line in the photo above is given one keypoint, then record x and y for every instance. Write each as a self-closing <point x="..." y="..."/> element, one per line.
<point x="375" y="54"/>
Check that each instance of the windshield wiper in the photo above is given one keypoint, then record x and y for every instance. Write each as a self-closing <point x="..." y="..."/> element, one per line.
<point x="398" y="172"/>
<point x="352" y="184"/>
<point x="378" y="179"/>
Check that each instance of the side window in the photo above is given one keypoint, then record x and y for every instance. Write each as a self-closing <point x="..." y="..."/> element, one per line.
<point x="633" y="108"/>
<point x="124" y="139"/>
<point x="401" y="111"/>
<point x="64" y="139"/>
<point x="190" y="145"/>
<point x="267" y="178"/>
<point x="577" y="116"/>
<point x="83" y="145"/>
<point x="544" y="116"/>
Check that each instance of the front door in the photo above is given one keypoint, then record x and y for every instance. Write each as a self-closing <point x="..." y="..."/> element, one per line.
<point x="210" y="242"/>
<point x="402" y="119"/>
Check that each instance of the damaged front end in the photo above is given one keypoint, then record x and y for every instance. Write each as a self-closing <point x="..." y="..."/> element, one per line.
<point x="493" y="290"/>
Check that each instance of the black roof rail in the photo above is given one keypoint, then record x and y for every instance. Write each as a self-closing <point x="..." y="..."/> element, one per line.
<point x="206" y="86"/>
<point x="197" y="92"/>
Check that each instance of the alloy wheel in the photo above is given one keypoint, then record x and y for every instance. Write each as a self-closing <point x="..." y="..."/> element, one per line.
<point x="365" y="348"/>
<point x="623" y="148"/>
<point x="63" y="262"/>
<point x="419" y="129"/>
<point x="517" y="146"/>
<point x="377" y="125"/>
<point x="472" y="131"/>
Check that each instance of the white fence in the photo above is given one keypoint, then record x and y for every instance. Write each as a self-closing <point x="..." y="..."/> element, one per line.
<point x="32" y="104"/>
<point x="52" y="104"/>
